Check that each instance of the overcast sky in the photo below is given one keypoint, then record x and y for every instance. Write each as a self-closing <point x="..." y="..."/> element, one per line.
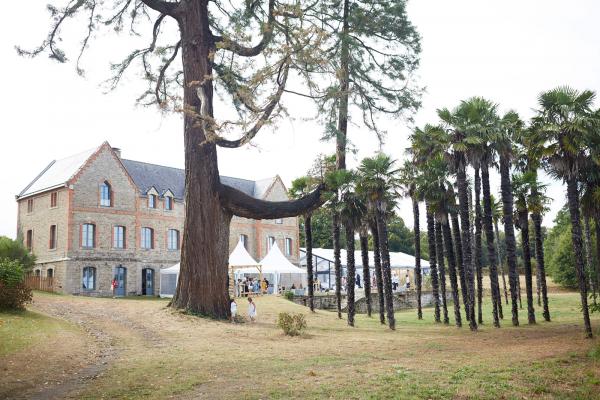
<point x="507" y="51"/>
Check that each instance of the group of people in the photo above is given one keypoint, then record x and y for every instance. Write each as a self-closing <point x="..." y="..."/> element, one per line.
<point x="248" y="285"/>
<point x="251" y="310"/>
<point x="395" y="282"/>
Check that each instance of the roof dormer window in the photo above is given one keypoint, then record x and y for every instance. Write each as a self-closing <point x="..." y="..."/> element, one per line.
<point x="168" y="203"/>
<point x="151" y="201"/>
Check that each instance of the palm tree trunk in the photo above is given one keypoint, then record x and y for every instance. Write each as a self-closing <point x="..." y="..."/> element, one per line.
<point x="524" y="222"/>
<point x="452" y="269"/>
<point x="573" y="197"/>
<point x="309" y="261"/>
<point x="500" y="262"/>
<point x="509" y="236"/>
<point x="364" y="252"/>
<point x="459" y="261"/>
<point x="463" y="200"/>
<point x="439" y="248"/>
<point x="418" y="276"/>
<point x="477" y="256"/>
<point x="385" y="267"/>
<point x="539" y="254"/>
<point x="337" y="262"/>
<point x="351" y="271"/>
<point x="588" y="255"/>
<point x="378" y="272"/>
<point x="597" y="230"/>
<point x="489" y="238"/>
<point x="433" y="261"/>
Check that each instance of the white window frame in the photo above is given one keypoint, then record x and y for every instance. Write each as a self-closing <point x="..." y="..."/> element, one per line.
<point x="288" y="246"/>
<point x="88" y="275"/>
<point x="105" y="189"/>
<point x="86" y="238"/>
<point x="147" y="238"/>
<point x="168" y="203"/>
<point x="172" y="239"/>
<point x="152" y="201"/>
<point x="119" y="240"/>
<point x="270" y="241"/>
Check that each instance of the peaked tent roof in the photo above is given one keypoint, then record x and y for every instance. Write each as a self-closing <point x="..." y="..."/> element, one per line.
<point x="275" y="261"/>
<point x="171" y="270"/>
<point x="397" y="259"/>
<point x="57" y="173"/>
<point x="239" y="257"/>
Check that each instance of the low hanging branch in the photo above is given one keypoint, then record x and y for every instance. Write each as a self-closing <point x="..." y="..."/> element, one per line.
<point x="243" y="205"/>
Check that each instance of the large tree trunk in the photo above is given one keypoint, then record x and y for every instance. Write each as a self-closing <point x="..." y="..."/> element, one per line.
<point x="541" y="266"/>
<point x="509" y="236"/>
<point x="489" y="238"/>
<point x="309" y="261"/>
<point x="351" y="270"/>
<point x="448" y="245"/>
<point x="500" y="261"/>
<point x="524" y="222"/>
<point x="573" y="197"/>
<point x="337" y="262"/>
<point x="433" y="261"/>
<point x="588" y="256"/>
<point x="439" y="248"/>
<point x="343" y="79"/>
<point x="364" y="251"/>
<point x="461" y="179"/>
<point x="203" y="279"/>
<point x="385" y="267"/>
<point x="459" y="261"/>
<point x="477" y="256"/>
<point x="418" y="276"/>
<point x="378" y="272"/>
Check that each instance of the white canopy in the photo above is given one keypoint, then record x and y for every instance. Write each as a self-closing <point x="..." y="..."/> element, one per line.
<point x="174" y="270"/>
<point x="397" y="259"/>
<point x="274" y="263"/>
<point x="241" y="258"/>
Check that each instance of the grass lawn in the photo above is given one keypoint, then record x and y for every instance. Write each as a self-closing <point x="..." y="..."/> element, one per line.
<point x="159" y="353"/>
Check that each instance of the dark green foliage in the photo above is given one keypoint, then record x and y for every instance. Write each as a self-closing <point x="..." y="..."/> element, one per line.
<point x="288" y="295"/>
<point x="14" y="294"/>
<point x="15" y="250"/>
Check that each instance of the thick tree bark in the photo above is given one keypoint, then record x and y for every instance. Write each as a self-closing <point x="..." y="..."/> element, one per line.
<point x="433" y="271"/>
<point x="418" y="275"/>
<point x="501" y="262"/>
<point x="477" y="255"/>
<point x="364" y="251"/>
<point x="525" y="245"/>
<point x="343" y="78"/>
<point x="351" y="270"/>
<point x="385" y="267"/>
<point x="459" y="262"/>
<point x="489" y="238"/>
<point x="378" y="272"/>
<point x="509" y="235"/>
<point x="573" y="197"/>
<point x="597" y="230"/>
<point x="309" y="261"/>
<point x="588" y="256"/>
<point x="439" y="248"/>
<point x="203" y="280"/>
<point x="541" y="265"/>
<point x="337" y="262"/>
<point x="448" y="245"/>
<point x="465" y="229"/>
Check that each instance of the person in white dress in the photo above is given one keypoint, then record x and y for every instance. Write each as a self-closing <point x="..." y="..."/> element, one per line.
<point x="251" y="309"/>
<point x="233" y="310"/>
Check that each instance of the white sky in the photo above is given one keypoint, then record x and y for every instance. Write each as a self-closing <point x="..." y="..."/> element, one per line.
<point x="507" y="51"/>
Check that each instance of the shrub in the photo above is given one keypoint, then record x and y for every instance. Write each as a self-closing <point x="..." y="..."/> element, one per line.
<point x="289" y="295"/>
<point x="14" y="294"/>
<point x="15" y="250"/>
<point x="292" y="324"/>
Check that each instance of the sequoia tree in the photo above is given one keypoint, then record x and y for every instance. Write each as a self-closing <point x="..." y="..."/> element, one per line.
<point x="244" y="50"/>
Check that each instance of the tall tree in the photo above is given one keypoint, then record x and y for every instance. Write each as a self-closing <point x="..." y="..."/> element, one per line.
<point x="212" y="46"/>
<point x="439" y="249"/>
<point x="433" y="259"/>
<point x="379" y="180"/>
<point x="568" y="121"/>
<point x="378" y="269"/>
<point x="449" y="248"/>
<point x="496" y="215"/>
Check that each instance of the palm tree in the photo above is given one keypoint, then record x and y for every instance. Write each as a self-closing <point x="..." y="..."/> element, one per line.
<point x="567" y="120"/>
<point x="457" y="122"/>
<point x="408" y="180"/>
<point x="503" y="144"/>
<point x="449" y="248"/>
<point x="433" y="259"/>
<point x="378" y="269"/>
<point x="379" y="179"/>
<point x="521" y="184"/>
<point x="496" y="215"/>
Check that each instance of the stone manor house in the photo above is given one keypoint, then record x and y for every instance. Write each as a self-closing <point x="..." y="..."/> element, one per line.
<point x="94" y="217"/>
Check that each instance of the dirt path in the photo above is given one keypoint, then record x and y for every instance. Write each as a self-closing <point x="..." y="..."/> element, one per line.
<point x="108" y="329"/>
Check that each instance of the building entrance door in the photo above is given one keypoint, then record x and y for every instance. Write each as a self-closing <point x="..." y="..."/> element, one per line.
<point x="121" y="278"/>
<point x="148" y="282"/>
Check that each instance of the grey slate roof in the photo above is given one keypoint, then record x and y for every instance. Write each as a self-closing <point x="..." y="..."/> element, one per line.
<point x="163" y="178"/>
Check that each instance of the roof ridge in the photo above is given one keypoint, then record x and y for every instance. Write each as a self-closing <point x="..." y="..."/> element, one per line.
<point x="156" y="165"/>
<point x="36" y="178"/>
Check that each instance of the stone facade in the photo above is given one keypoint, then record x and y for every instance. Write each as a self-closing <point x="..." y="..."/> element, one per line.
<point x="78" y="202"/>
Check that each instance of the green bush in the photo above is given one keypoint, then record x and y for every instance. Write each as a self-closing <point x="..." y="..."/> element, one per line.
<point x="288" y="295"/>
<point x="15" y="250"/>
<point x="14" y="294"/>
<point x="292" y="324"/>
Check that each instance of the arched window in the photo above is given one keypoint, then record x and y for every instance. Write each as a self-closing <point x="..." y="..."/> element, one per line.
<point x="49" y="272"/>
<point x="173" y="239"/>
<point x="89" y="278"/>
<point x="147" y="239"/>
<point x="244" y="240"/>
<point x="105" y="194"/>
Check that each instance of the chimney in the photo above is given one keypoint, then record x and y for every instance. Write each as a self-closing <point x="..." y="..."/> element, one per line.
<point x="117" y="151"/>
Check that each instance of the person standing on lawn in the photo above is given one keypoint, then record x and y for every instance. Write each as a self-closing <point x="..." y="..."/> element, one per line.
<point x="251" y="309"/>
